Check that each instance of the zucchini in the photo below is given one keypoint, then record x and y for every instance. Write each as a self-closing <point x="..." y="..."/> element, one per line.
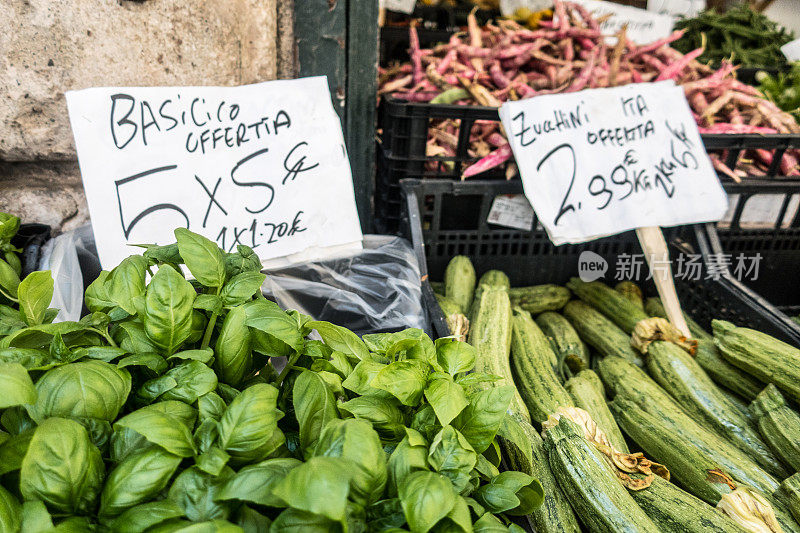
<point x="437" y="287"/>
<point x="587" y="391"/>
<point x="457" y="322"/>
<point x="459" y="281"/>
<point x="599" y="332"/>
<point x="570" y="350"/>
<point x="778" y="424"/>
<point x="555" y="514"/>
<point x="448" y="306"/>
<point x="609" y="302"/>
<point x="532" y="360"/>
<point x="601" y="502"/>
<point x="680" y="375"/>
<point x="540" y="298"/>
<point x="490" y="334"/>
<point x="689" y="452"/>
<point x="762" y="356"/>
<point x="788" y="494"/>
<point x="654" y="307"/>
<point x="632" y="292"/>
<point x="675" y="510"/>
<point x="725" y="374"/>
<point x="668" y="433"/>
<point x="495" y="278"/>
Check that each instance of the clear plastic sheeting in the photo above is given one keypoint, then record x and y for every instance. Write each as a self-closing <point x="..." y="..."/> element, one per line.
<point x="375" y="289"/>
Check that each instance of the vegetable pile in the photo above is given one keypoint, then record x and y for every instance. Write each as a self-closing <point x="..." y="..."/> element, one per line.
<point x="503" y="61"/>
<point x="607" y="365"/>
<point x="783" y="89"/>
<point x="740" y="35"/>
<point x="159" y="412"/>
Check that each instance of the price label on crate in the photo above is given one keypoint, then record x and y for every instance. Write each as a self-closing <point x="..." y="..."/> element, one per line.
<point x="511" y="211"/>
<point x="604" y="161"/>
<point x="643" y="26"/>
<point x="262" y="165"/>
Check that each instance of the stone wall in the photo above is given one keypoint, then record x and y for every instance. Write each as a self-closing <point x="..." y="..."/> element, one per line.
<point x="47" y="48"/>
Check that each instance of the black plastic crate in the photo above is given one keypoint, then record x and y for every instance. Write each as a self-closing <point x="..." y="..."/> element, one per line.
<point x="404" y="128"/>
<point x="31" y="238"/>
<point x="528" y="257"/>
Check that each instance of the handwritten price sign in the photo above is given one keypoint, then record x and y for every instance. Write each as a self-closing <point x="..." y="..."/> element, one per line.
<point x="261" y="165"/>
<point x="603" y="161"/>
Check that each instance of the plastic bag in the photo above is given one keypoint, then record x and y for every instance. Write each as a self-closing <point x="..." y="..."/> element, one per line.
<point x="72" y="260"/>
<point x="373" y="290"/>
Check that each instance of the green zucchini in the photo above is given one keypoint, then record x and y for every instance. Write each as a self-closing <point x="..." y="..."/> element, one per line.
<point x="725" y="374"/>
<point x="612" y="304"/>
<point x="788" y="494"/>
<point x="762" y="356"/>
<point x="587" y="391"/>
<point x="490" y="335"/>
<point x="689" y="454"/>
<point x="778" y="424"/>
<point x="680" y="375"/>
<point x="570" y="350"/>
<point x="459" y="281"/>
<point x="555" y="514"/>
<point x="654" y="307"/>
<point x="540" y="298"/>
<point x="599" y="499"/>
<point x="678" y="433"/>
<point x="599" y="332"/>
<point x="437" y="287"/>
<point x="448" y="306"/>
<point x="495" y="278"/>
<point x="632" y="292"/>
<point x="675" y="510"/>
<point x="532" y="360"/>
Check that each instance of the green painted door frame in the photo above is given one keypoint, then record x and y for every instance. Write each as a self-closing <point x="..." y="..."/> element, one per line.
<point x="339" y="38"/>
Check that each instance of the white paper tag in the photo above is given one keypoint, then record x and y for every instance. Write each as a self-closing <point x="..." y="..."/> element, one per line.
<point x="792" y="50"/>
<point x="603" y="161"/>
<point x="677" y="8"/>
<point x="511" y="211"/>
<point x="262" y="165"/>
<point x="401" y="6"/>
<point x="643" y="26"/>
<point x="509" y="7"/>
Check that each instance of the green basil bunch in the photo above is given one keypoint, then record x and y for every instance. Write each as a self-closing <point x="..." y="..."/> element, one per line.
<point x="159" y="411"/>
<point x="10" y="265"/>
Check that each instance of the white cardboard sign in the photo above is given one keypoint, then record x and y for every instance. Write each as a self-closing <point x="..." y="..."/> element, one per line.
<point x="400" y="6"/>
<point x="792" y="50"/>
<point x="677" y="8"/>
<point x="604" y="161"/>
<point x="262" y="165"/>
<point x="643" y="26"/>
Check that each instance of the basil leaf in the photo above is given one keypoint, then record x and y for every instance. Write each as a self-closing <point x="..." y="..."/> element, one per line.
<point x="136" y="480"/>
<point x="35" y="517"/>
<point x="168" y="309"/>
<point x="152" y="361"/>
<point x="317" y="350"/>
<point x="13" y="451"/>
<point x="341" y="339"/>
<point x="101" y="353"/>
<point x="269" y="318"/>
<point x="212" y="461"/>
<point x="426" y="497"/>
<point x="9" y="279"/>
<point x="97" y="298"/>
<point x="202" y="257"/>
<point x="62" y="467"/>
<point x="163" y="254"/>
<point x="16" y="386"/>
<point x="140" y="518"/>
<point x="245" y="259"/>
<point x="385" y="514"/>
<point x="511" y="492"/>
<point x="126" y="282"/>
<point x="384" y="415"/>
<point x="252" y="521"/>
<point x="482" y="418"/>
<point x="234" y="356"/>
<point x="87" y="389"/>
<point x="324" y="482"/>
<point x="254" y="483"/>
<point x="160" y="428"/>
<point x="447" y="399"/>
<point x="153" y="388"/>
<point x="489" y="523"/>
<point x="247" y="427"/>
<point x="452" y="456"/>
<point x="11" y="320"/>
<point x="362" y="375"/>
<point x="314" y="406"/>
<point x="194" y="491"/>
<point x="203" y="355"/>
<point x="16" y="420"/>
<point x="356" y="440"/>
<point x="193" y="378"/>
<point x="409" y="456"/>
<point x="297" y="521"/>
<point x="241" y="288"/>
<point x="131" y="337"/>
<point x="35" y="293"/>
<point x="208" y="302"/>
<point x="10" y="511"/>
<point x="454" y="356"/>
<point x="403" y="379"/>
<point x="29" y="358"/>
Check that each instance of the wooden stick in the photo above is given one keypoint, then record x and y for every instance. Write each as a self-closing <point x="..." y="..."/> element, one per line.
<point x="657" y="255"/>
